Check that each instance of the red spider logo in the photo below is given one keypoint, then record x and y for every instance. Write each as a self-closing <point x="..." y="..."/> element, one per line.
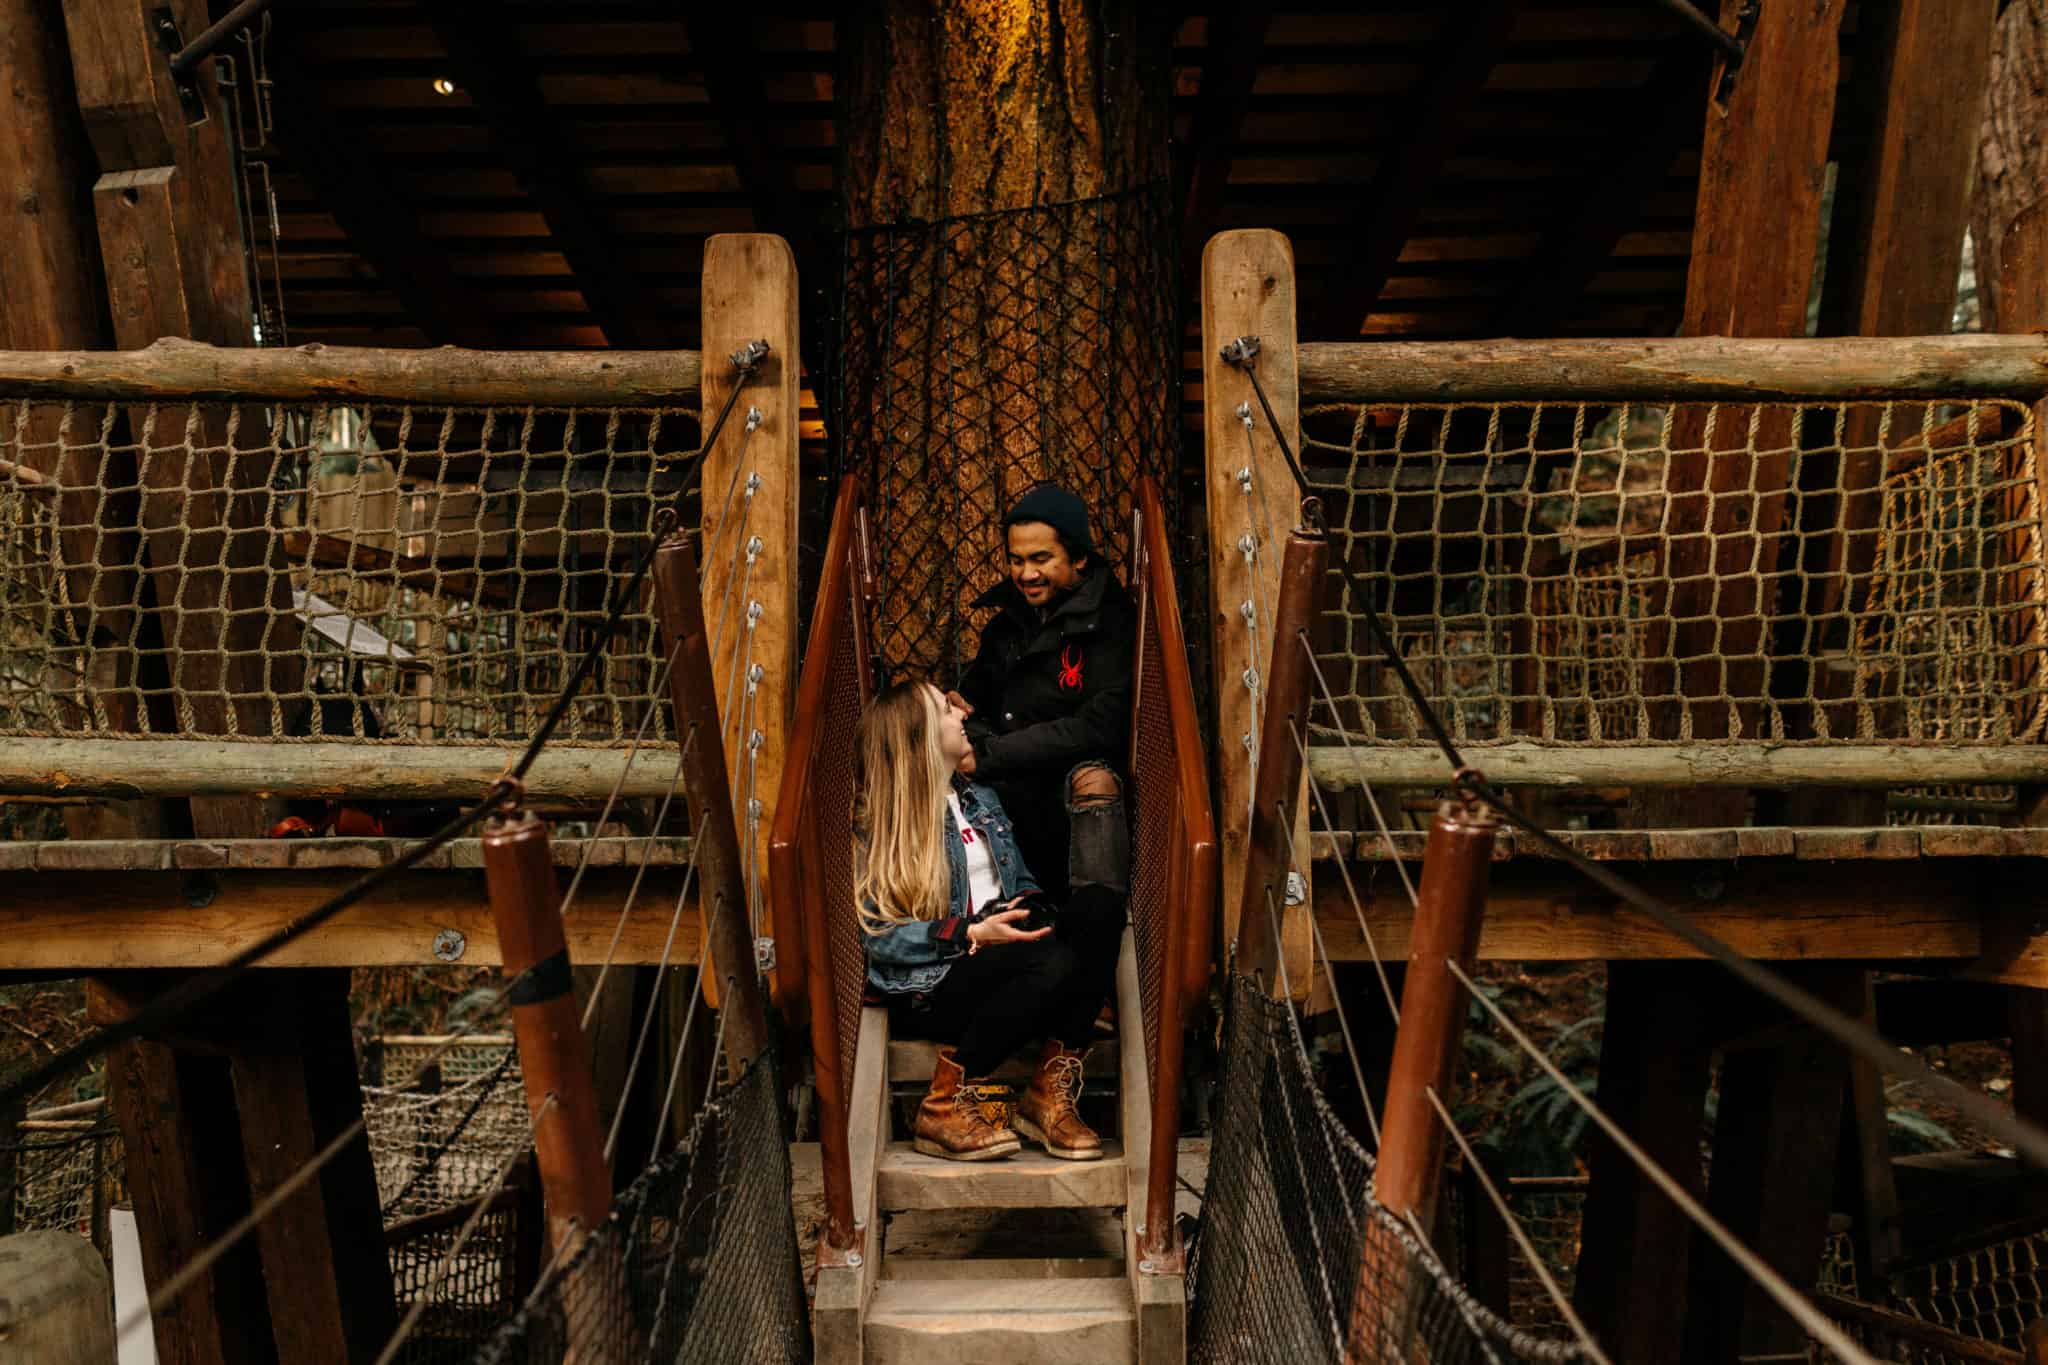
<point x="1070" y="668"/>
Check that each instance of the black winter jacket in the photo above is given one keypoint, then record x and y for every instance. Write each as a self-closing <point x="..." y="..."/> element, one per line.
<point x="1049" y="694"/>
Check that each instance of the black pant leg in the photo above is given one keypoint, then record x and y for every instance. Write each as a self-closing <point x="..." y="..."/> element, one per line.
<point x="992" y="1003"/>
<point x="1091" y="924"/>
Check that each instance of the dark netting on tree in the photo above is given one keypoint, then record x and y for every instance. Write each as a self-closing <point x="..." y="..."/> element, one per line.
<point x="1288" y="1222"/>
<point x="698" y="1261"/>
<point x="985" y="354"/>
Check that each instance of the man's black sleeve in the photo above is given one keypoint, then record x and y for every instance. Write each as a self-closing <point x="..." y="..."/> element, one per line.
<point x="1099" y="728"/>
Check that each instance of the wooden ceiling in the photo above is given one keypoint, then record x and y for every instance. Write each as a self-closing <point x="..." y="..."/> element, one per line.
<point x="548" y="178"/>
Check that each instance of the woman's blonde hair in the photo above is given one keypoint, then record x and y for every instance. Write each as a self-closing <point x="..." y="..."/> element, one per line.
<point x="903" y="874"/>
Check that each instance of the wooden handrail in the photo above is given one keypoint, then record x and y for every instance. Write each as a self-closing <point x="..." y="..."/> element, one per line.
<point x="1189" y="865"/>
<point x="795" y="890"/>
<point x="1675" y="369"/>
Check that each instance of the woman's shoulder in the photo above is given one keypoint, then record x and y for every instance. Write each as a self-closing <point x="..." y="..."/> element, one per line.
<point x="981" y="797"/>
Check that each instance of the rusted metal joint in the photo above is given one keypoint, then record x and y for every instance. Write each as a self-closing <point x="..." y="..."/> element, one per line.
<point x="1312" y="520"/>
<point x="507" y="793"/>
<point x="1472" y="788"/>
<point x="1242" y="352"/>
<point x="748" y="358"/>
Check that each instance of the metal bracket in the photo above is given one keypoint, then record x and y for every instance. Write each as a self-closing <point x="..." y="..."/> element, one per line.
<point x="171" y="43"/>
<point x="847" y="1257"/>
<point x="1297" y="888"/>
<point x="748" y="358"/>
<point x="1242" y="353"/>
<point x="764" y="953"/>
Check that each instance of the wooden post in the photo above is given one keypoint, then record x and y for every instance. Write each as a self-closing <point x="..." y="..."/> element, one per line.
<point x="1278" y="794"/>
<point x="568" y="1144"/>
<point x="1248" y="290"/>
<point x="721" y="875"/>
<point x="170" y="235"/>
<point x="55" y="300"/>
<point x="1450" y="904"/>
<point x="1754" y="241"/>
<point x="750" y="294"/>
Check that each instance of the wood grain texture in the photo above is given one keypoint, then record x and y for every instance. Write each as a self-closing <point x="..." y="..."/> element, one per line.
<point x="1686" y="765"/>
<point x="176" y="368"/>
<point x="750" y="294"/>
<point x="1666" y="369"/>
<point x="1248" y="290"/>
<point x="129" y="919"/>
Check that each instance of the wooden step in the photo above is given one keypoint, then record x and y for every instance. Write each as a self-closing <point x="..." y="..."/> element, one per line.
<point x="1026" y="1180"/>
<point x="1000" y="1322"/>
<point x="911" y="1059"/>
<point x="950" y="1268"/>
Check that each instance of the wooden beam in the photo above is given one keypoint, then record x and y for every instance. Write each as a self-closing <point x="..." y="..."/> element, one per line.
<point x="1580" y="242"/>
<point x="1433" y="120"/>
<point x="105" y="921"/>
<point x="723" y="45"/>
<point x="1676" y="369"/>
<point x="55" y="300"/>
<point x="1829" y="843"/>
<point x="1680" y="765"/>
<point x="1771" y="910"/>
<point x="380" y="223"/>
<point x="487" y="60"/>
<point x="172" y="368"/>
<point x="1234" y="42"/>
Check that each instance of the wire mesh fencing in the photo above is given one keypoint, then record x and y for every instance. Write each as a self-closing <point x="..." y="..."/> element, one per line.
<point x="435" y="1149"/>
<point x="1585" y="573"/>
<point x="985" y="354"/>
<point x="698" y="1261"/>
<point x="62" y="1176"/>
<point x="1289" y="1223"/>
<point x="383" y="572"/>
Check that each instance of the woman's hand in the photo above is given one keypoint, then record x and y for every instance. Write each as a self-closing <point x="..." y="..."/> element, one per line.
<point x="1001" y="927"/>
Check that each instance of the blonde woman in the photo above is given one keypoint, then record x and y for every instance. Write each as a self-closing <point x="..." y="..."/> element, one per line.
<point x="963" y="946"/>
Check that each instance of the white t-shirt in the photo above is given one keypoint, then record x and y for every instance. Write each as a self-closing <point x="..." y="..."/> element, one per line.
<point x="983" y="885"/>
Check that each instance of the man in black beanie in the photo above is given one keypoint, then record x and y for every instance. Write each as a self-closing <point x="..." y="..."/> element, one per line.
<point x="1049" y="696"/>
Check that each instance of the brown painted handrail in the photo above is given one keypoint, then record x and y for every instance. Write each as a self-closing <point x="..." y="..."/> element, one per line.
<point x="1188" y="866"/>
<point x="796" y="885"/>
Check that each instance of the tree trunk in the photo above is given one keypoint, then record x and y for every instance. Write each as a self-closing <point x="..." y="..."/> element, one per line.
<point x="2012" y="148"/>
<point x="1009" y="285"/>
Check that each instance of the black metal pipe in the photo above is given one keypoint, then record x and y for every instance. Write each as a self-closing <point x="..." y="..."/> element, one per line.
<point x="211" y="41"/>
<point x="1730" y="45"/>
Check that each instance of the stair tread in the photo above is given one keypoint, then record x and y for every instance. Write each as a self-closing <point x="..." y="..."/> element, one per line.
<point x="953" y="1269"/>
<point x="908" y="1179"/>
<point x="1037" y="1304"/>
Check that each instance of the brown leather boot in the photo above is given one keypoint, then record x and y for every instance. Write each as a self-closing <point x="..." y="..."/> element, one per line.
<point x="1046" y="1113"/>
<point x="951" y="1122"/>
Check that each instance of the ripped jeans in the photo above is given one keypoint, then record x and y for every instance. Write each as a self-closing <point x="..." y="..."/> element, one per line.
<point x="1076" y="834"/>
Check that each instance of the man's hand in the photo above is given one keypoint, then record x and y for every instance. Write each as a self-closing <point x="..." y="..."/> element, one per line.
<point x="960" y="704"/>
<point x="1001" y="927"/>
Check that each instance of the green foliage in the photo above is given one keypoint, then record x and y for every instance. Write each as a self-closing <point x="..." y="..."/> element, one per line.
<point x="1532" y="1123"/>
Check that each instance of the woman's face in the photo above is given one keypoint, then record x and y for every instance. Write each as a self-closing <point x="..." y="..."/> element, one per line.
<point x="952" y="729"/>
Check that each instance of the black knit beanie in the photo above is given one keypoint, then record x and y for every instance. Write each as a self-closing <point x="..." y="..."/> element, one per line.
<point x="1059" y="509"/>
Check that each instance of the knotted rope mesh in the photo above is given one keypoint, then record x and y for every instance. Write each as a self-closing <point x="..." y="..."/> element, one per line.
<point x="983" y="355"/>
<point x="1288" y="1220"/>
<point x="305" y="572"/>
<point x="1625" y="574"/>
<point x="62" y="1177"/>
<point x="698" y="1261"/>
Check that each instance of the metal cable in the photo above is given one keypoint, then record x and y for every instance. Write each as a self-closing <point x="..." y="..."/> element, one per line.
<point x="1796" y="1305"/>
<point x="1558" y="1297"/>
<point x="1379" y="965"/>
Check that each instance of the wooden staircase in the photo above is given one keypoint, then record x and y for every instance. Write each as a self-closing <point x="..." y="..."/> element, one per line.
<point x="1029" y="1260"/>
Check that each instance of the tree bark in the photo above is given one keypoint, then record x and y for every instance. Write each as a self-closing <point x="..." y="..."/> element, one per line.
<point x="985" y="354"/>
<point x="2012" y="146"/>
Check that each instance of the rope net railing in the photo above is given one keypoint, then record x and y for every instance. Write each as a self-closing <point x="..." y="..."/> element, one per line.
<point x="698" y="1260"/>
<point x="373" y="572"/>
<point x="982" y="355"/>
<point x="1633" y="573"/>
<point x="1289" y="1221"/>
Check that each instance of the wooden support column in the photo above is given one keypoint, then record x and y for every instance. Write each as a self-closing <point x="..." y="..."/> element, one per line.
<point x="171" y="239"/>
<point x="1635" y="1244"/>
<point x="1248" y="290"/>
<point x="1778" y="1122"/>
<point x="55" y="300"/>
<point x="750" y="294"/>
<point x="177" y="1118"/>
<point x="1754" y="241"/>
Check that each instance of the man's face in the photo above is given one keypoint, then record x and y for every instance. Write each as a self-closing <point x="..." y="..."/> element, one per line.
<point x="1039" y="565"/>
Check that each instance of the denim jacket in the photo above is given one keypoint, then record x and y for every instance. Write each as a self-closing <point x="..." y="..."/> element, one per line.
<point x="914" y="957"/>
